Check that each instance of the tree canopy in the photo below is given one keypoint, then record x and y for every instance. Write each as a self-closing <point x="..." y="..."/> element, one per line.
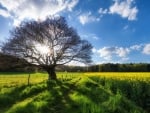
<point x="47" y="44"/>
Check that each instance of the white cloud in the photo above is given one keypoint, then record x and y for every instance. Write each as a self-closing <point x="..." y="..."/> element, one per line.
<point x="125" y="9"/>
<point x="102" y="11"/>
<point x="93" y="36"/>
<point x="87" y="18"/>
<point x="122" y="52"/>
<point x="119" y="54"/>
<point x="136" y="47"/>
<point x="108" y="52"/>
<point x="4" y="13"/>
<point x="72" y="4"/>
<point x="19" y="10"/>
<point x="146" y="49"/>
<point x="94" y="50"/>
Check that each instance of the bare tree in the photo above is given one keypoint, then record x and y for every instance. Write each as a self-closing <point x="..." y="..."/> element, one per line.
<point x="47" y="44"/>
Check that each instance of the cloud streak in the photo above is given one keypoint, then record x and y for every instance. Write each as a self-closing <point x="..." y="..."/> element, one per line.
<point x="87" y="18"/>
<point x="90" y="36"/>
<point x="102" y="11"/>
<point x="4" y="13"/>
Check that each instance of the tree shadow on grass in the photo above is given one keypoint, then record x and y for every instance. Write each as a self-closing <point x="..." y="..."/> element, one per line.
<point x="50" y="98"/>
<point x="83" y="95"/>
<point x="61" y="102"/>
<point x="14" y="95"/>
<point x="76" y="97"/>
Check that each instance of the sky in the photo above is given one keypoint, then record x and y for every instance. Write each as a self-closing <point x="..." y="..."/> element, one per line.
<point x="119" y="30"/>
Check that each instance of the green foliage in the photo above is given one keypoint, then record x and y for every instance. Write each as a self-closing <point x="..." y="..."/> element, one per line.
<point x="136" y="91"/>
<point x="32" y="90"/>
<point x="77" y="94"/>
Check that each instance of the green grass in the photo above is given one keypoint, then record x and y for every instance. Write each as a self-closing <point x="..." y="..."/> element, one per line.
<point x="75" y="93"/>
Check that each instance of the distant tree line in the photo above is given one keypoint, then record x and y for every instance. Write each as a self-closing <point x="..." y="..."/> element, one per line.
<point x="129" y="67"/>
<point x="110" y="67"/>
<point x="13" y="64"/>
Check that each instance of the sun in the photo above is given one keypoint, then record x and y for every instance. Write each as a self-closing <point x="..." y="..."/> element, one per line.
<point x="42" y="49"/>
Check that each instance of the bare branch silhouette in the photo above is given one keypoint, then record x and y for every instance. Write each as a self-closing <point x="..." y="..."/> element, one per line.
<point x="63" y="43"/>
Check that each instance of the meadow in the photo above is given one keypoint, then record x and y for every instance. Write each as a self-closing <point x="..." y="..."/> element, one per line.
<point x="75" y="93"/>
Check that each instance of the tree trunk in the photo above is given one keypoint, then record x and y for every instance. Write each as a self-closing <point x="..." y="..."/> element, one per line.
<point x="51" y="73"/>
<point x="29" y="79"/>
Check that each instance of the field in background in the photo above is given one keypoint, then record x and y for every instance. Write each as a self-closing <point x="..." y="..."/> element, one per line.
<point x="8" y="79"/>
<point x="133" y="76"/>
<point x="13" y="79"/>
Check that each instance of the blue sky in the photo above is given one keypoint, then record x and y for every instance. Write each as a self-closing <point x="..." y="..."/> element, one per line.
<point x="119" y="30"/>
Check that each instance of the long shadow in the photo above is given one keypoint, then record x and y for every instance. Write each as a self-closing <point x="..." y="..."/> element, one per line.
<point x="65" y="104"/>
<point x="58" y="98"/>
<point x="59" y="90"/>
<point x="61" y="102"/>
<point x="18" y="94"/>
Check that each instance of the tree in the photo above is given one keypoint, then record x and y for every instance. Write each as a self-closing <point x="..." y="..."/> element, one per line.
<point x="47" y="44"/>
<point x="11" y="63"/>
